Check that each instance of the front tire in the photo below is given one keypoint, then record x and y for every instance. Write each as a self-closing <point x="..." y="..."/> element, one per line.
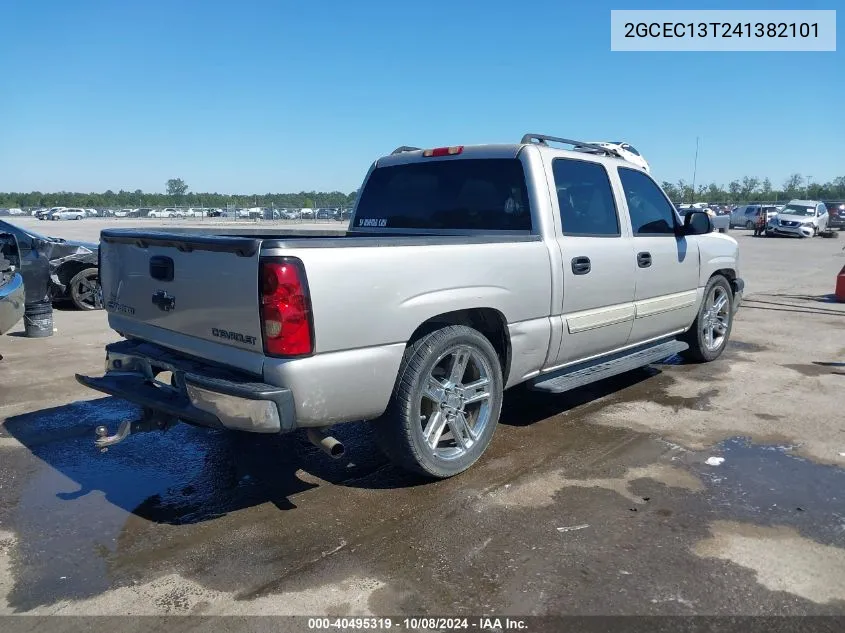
<point x="749" y="225"/>
<point x="85" y="291"/>
<point x="711" y="330"/>
<point x="445" y="404"/>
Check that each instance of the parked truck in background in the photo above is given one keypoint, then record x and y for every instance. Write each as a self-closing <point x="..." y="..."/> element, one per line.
<point x="466" y="270"/>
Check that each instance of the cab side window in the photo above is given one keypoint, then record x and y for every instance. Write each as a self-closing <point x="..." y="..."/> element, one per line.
<point x="651" y="213"/>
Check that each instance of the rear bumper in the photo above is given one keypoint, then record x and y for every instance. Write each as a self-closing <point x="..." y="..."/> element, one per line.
<point x="199" y="393"/>
<point x="12" y="299"/>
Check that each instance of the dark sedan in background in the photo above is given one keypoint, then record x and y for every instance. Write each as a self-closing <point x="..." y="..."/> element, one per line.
<point x="53" y="268"/>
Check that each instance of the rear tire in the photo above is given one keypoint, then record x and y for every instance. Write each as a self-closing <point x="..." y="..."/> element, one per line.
<point x="711" y="330"/>
<point x="445" y="404"/>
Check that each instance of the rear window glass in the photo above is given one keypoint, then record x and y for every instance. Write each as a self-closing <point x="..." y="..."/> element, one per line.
<point x="485" y="194"/>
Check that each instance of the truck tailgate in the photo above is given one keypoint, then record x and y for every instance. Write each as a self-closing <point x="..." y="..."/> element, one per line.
<point x="195" y="293"/>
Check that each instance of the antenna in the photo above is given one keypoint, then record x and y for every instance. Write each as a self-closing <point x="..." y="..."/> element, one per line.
<point x="694" y="171"/>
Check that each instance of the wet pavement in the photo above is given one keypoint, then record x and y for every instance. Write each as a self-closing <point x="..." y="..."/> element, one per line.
<point x="599" y="501"/>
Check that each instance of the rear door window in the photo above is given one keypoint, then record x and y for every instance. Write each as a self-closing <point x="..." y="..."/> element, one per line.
<point x="467" y="193"/>
<point x="585" y="199"/>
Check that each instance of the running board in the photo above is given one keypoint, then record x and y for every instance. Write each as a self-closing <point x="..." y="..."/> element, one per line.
<point x="586" y="373"/>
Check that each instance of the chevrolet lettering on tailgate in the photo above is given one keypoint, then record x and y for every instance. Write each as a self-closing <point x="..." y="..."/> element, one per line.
<point x="233" y="336"/>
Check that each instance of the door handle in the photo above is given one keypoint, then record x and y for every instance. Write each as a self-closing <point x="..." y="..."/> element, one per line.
<point x="643" y="259"/>
<point x="581" y="265"/>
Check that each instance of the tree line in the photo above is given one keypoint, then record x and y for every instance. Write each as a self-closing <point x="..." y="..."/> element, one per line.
<point x="178" y="196"/>
<point x="747" y="189"/>
<point x="750" y="189"/>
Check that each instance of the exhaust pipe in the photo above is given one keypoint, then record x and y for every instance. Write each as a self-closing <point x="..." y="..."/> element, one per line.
<point x="320" y="438"/>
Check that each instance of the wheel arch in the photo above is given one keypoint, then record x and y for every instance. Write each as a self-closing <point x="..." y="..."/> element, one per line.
<point x="68" y="270"/>
<point x="730" y="275"/>
<point x="488" y="321"/>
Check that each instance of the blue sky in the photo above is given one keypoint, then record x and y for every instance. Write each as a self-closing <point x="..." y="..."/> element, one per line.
<point x="260" y="96"/>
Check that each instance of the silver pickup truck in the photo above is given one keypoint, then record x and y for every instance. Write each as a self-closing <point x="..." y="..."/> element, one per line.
<point x="465" y="271"/>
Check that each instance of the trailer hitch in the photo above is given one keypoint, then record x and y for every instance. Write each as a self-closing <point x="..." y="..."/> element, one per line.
<point x="149" y="421"/>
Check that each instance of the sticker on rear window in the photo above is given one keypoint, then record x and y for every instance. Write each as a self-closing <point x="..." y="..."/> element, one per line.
<point x="378" y="222"/>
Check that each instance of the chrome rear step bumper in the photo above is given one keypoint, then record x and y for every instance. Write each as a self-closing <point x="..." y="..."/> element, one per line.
<point x="198" y="393"/>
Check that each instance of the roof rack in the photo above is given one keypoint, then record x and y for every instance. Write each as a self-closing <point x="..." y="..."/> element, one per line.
<point x="580" y="146"/>
<point x="404" y="148"/>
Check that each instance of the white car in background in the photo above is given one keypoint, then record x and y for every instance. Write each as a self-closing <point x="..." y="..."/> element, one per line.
<point x="196" y="213"/>
<point x="168" y="212"/>
<point x="801" y="218"/>
<point x="625" y="150"/>
<point x="16" y="211"/>
<point x="73" y="213"/>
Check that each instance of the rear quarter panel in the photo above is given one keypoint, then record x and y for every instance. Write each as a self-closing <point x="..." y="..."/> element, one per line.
<point x="366" y="296"/>
<point x="368" y="301"/>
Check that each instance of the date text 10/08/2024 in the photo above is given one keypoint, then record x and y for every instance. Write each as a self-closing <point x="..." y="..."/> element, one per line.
<point x="419" y="624"/>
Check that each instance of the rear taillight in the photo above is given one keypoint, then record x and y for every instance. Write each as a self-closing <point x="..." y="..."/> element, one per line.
<point x="285" y="308"/>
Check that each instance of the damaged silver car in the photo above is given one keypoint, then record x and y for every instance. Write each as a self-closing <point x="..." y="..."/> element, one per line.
<point x="53" y="268"/>
<point x="11" y="296"/>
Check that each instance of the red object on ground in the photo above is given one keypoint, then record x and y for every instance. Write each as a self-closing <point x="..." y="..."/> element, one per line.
<point x="840" y="285"/>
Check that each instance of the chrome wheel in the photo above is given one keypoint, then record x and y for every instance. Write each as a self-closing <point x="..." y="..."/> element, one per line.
<point x="716" y="318"/>
<point x="455" y="402"/>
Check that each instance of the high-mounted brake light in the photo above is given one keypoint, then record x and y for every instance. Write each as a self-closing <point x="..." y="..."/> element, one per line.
<point x="444" y="151"/>
<point x="285" y="308"/>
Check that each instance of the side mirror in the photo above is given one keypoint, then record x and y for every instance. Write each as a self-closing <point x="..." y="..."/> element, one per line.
<point x="697" y="223"/>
